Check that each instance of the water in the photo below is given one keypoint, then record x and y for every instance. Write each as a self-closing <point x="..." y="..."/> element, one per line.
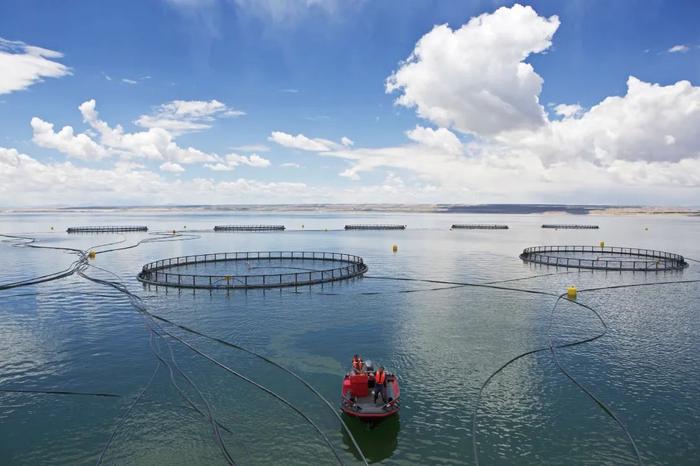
<point x="443" y="341"/>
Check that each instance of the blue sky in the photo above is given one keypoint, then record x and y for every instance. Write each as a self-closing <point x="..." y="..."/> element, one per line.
<point x="318" y="69"/>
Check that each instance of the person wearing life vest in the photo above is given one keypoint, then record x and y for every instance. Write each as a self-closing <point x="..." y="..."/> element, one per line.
<point x="357" y="364"/>
<point x="380" y="384"/>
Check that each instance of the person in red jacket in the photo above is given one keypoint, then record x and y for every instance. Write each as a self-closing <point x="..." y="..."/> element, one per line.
<point x="357" y="364"/>
<point x="380" y="384"/>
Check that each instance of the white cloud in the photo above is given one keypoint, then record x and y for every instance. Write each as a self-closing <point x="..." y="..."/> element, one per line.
<point x="301" y="142"/>
<point x="633" y="127"/>
<point x="231" y="161"/>
<point x="474" y="79"/>
<point x="25" y="181"/>
<point x="129" y="81"/>
<point x="441" y="138"/>
<point x="22" y="65"/>
<point x="568" y="110"/>
<point x="290" y="165"/>
<point x="155" y="144"/>
<point x="679" y="49"/>
<point x="181" y="116"/>
<point x="172" y="167"/>
<point x="347" y="142"/>
<point x="252" y="148"/>
<point x="66" y="141"/>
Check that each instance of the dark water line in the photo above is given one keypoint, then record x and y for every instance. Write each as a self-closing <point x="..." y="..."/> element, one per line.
<point x="136" y="302"/>
<point x="57" y="392"/>
<point x="160" y="238"/>
<point x="588" y="392"/>
<point x="125" y="416"/>
<point x="209" y="415"/>
<point x="275" y="364"/>
<point x="477" y="285"/>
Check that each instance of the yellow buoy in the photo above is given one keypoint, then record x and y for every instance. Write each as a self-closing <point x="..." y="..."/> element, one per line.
<point x="602" y="244"/>
<point x="92" y="254"/>
<point x="571" y="292"/>
<point x="395" y="248"/>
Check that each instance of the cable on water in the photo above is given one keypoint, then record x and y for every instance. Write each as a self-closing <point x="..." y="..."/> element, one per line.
<point x="57" y="392"/>
<point x="210" y="417"/>
<point x="143" y="309"/>
<point x="137" y="303"/>
<point x="126" y="414"/>
<point x="154" y="329"/>
<point x="588" y="392"/>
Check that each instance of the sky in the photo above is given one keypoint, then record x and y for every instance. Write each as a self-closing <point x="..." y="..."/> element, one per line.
<point x="347" y="101"/>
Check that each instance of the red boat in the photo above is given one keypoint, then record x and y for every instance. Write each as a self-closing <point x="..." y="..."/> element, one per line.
<point x="357" y="397"/>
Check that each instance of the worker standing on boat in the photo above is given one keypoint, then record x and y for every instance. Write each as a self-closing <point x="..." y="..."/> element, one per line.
<point x="380" y="384"/>
<point x="357" y="364"/>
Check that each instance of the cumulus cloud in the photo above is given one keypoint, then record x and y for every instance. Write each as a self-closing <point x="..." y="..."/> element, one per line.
<point x="301" y="142"/>
<point x="679" y="49"/>
<point x="231" y="161"/>
<point x="568" y="110"/>
<point x="155" y="144"/>
<point x="474" y="79"/>
<point x="25" y="181"/>
<point x="180" y="116"/>
<point x="252" y="148"/>
<point x="22" y="65"/>
<point x="651" y="122"/>
<point x="172" y="167"/>
<point x="66" y="141"/>
<point x="347" y="142"/>
<point x="441" y="138"/>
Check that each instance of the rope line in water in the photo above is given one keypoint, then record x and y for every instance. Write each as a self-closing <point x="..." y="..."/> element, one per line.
<point x="137" y="303"/>
<point x="209" y="415"/>
<point x="124" y="417"/>
<point x="57" y="392"/>
<point x="588" y="392"/>
<point x="275" y="364"/>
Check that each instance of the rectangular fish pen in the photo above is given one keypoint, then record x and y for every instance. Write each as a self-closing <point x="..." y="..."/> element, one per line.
<point x="477" y="226"/>
<point x="249" y="228"/>
<point x="107" y="229"/>
<point x="571" y="227"/>
<point x="375" y="227"/>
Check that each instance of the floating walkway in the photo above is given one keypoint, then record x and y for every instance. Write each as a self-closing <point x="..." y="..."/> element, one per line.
<point x="107" y="229"/>
<point x="571" y="227"/>
<point x="375" y="227"/>
<point x="477" y="226"/>
<point x="249" y="228"/>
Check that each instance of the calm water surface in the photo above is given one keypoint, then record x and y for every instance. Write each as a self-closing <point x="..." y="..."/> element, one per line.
<point x="444" y="342"/>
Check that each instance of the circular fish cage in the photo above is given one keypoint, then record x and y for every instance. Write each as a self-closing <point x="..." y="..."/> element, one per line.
<point x="253" y="269"/>
<point x="604" y="258"/>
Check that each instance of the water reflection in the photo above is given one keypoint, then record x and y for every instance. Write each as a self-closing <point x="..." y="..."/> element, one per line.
<point x="378" y="439"/>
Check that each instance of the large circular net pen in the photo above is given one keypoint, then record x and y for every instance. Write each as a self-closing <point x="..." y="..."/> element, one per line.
<point x="257" y="269"/>
<point x="604" y="258"/>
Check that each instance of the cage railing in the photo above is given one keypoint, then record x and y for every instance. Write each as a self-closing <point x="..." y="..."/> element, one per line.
<point x="653" y="260"/>
<point x="155" y="272"/>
